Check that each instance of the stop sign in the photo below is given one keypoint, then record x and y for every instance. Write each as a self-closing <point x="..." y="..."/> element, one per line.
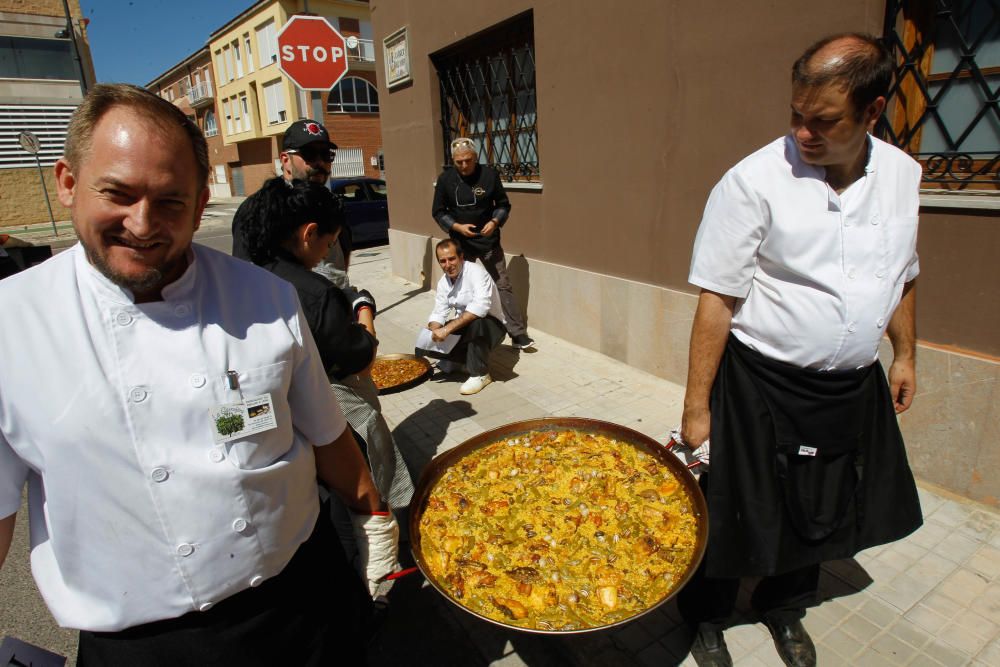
<point x="312" y="53"/>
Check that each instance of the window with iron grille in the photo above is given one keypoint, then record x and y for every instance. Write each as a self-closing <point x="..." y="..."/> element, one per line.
<point x="943" y="107"/>
<point x="487" y="85"/>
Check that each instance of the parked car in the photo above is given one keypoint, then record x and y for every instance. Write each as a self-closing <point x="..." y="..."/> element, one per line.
<point x="365" y="206"/>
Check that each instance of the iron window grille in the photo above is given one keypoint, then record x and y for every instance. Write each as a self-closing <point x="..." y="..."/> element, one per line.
<point x="487" y="86"/>
<point x="943" y="107"/>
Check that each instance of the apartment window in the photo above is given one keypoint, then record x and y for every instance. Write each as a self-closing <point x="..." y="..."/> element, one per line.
<point x="487" y="87"/>
<point x="211" y="129"/>
<point x="353" y="94"/>
<point x="238" y="55"/>
<point x="230" y="70"/>
<point x="33" y="58"/>
<point x="220" y="67"/>
<point x="943" y="108"/>
<point x="247" y="125"/>
<point x="246" y="43"/>
<point x="274" y="101"/>
<point x="237" y="116"/>
<point x="267" y="44"/>
<point x="229" y="117"/>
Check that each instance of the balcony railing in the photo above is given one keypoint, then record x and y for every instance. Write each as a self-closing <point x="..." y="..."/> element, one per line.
<point x="362" y="51"/>
<point x="200" y="93"/>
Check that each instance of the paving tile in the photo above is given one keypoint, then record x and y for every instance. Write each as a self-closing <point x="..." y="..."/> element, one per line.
<point x="879" y="613"/>
<point x="943" y="604"/>
<point x="929" y="535"/>
<point x="927" y="618"/>
<point x="946" y="654"/>
<point x="766" y="655"/>
<point x="860" y="628"/>
<point x="988" y="604"/>
<point x="909" y="632"/>
<point x="978" y="625"/>
<point x="963" y="586"/>
<point x="961" y="638"/>
<point x="842" y="643"/>
<point x="921" y="660"/>
<point x="893" y="649"/>
<point x="958" y="547"/>
<point x="990" y="653"/>
<point x="986" y="561"/>
<point x="871" y="658"/>
<point x="826" y="655"/>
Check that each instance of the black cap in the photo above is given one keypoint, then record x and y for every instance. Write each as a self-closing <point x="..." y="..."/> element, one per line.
<point x="304" y="132"/>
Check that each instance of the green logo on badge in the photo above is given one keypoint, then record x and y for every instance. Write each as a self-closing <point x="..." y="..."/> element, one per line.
<point x="229" y="422"/>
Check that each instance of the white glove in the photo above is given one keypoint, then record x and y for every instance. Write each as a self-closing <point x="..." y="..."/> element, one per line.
<point x="377" y="538"/>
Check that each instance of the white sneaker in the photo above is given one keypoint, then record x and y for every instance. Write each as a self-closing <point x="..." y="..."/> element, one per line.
<point x="475" y="384"/>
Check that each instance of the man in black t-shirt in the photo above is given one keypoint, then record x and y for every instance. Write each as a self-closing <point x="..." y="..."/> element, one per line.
<point x="471" y="206"/>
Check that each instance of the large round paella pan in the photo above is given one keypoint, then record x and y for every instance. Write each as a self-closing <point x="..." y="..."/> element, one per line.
<point x="558" y="525"/>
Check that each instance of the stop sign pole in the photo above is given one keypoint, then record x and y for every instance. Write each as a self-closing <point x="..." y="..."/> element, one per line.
<point x="312" y="53"/>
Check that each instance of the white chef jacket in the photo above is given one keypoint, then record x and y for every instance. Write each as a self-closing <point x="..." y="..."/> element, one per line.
<point x="135" y="513"/>
<point x="817" y="275"/>
<point x="473" y="290"/>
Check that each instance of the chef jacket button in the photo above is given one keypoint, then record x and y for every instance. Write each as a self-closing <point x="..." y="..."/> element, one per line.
<point x="197" y="380"/>
<point x="875" y="219"/>
<point x="205" y="606"/>
<point x="159" y="474"/>
<point x="123" y="319"/>
<point x="216" y="455"/>
<point x="239" y="525"/>
<point x="852" y="327"/>
<point x="256" y="581"/>
<point x="851" y="274"/>
<point x="880" y="321"/>
<point x="138" y="394"/>
<point x="182" y="310"/>
<point x="880" y="273"/>
<point x="185" y="549"/>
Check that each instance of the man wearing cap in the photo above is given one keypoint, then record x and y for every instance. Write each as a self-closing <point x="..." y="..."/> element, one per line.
<point x="307" y="155"/>
<point x="471" y="206"/>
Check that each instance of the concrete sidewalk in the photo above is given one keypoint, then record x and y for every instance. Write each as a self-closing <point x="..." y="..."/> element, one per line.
<point x="931" y="599"/>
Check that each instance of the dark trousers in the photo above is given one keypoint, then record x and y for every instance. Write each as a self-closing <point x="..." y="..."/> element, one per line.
<point x="479" y="338"/>
<point x="781" y="598"/>
<point x="307" y="615"/>
<point x="496" y="265"/>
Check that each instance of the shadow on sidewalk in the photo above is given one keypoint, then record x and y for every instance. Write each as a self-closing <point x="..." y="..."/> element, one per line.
<point x="406" y="297"/>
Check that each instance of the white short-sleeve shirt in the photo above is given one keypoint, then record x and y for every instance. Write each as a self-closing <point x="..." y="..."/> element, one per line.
<point x="817" y="275"/>
<point x="473" y="290"/>
<point x="136" y="514"/>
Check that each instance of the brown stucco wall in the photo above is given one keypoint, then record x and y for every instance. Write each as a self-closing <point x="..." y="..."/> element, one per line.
<point x="40" y="7"/>
<point x="959" y="279"/>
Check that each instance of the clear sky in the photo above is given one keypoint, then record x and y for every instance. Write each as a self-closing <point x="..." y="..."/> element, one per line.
<point x="133" y="41"/>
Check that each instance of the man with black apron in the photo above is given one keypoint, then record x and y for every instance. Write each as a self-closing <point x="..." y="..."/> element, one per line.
<point x="471" y="206"/>
<point x="806" y="256"/>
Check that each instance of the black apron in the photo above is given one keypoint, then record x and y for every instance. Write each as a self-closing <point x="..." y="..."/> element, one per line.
<point x="806" y="466"/>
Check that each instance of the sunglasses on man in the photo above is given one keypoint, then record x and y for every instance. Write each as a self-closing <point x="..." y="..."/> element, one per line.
<point x="310" y="153"/>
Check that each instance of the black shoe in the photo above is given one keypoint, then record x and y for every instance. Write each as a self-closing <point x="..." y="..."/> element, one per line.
<point x="795" y="647"/>
<point x="522" y="341"/>
<point x="710" y="650"/>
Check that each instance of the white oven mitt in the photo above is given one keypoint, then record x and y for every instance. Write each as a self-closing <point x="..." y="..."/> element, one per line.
<point x="377" y="538"/>
<point x="696" y="459"/>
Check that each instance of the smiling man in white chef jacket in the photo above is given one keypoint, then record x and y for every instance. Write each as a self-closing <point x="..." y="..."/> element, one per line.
<point x="168" y="410"/>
